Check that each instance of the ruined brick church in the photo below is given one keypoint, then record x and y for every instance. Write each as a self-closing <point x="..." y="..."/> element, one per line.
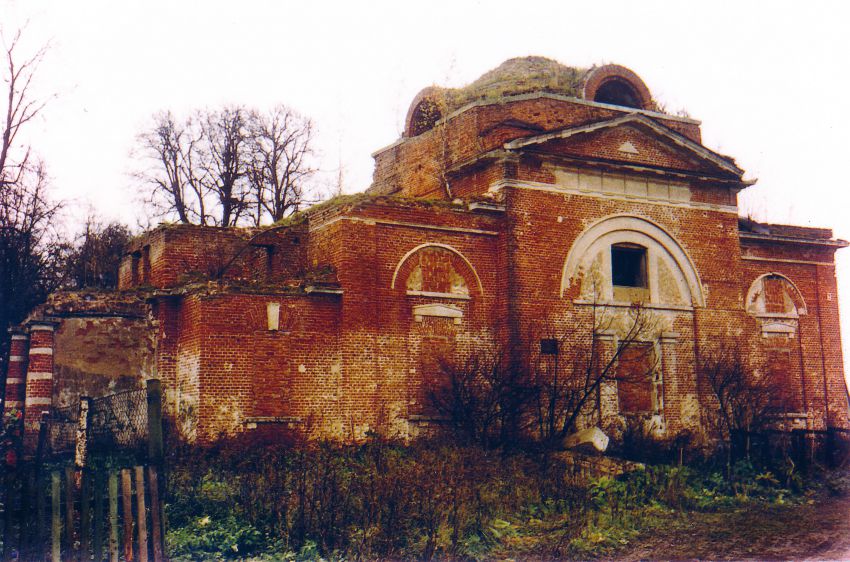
<point x="509" y="210"/>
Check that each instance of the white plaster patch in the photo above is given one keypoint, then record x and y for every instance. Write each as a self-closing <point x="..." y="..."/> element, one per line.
<point x="628" y="148"/>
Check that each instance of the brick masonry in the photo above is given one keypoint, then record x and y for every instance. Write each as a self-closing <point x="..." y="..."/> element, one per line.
<point x="492" y="229"/>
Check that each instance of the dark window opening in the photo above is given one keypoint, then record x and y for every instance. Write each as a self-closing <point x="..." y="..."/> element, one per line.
<point x="628" y="266"/>
<point x="549" y="347"/>
<point x="135" y="258"/>
<point x="146" y="265"/>
<point x="425" y="116"/>
<point x="618" y="92"/>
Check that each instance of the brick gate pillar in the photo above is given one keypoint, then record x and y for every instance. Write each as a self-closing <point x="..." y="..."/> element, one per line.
<point x="39" y="380"/>
<point x="16" y="372"/>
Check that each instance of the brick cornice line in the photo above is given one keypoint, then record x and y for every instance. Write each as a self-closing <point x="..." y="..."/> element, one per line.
<point x="551" y="188"/>
<point x="787" y="260"/>
<point x="371" y="222"/>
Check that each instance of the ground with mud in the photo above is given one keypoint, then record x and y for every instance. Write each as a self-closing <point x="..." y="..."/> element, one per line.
<point x="817" y="529"/>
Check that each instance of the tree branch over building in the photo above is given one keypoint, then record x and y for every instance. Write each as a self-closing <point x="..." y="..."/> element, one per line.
<point x="31" y="254"/>
<point x="226" y="167"/>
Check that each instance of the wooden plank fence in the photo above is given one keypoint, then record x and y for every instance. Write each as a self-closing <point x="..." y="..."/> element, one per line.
<point x="71" y="513"/>
<point x="83" y="521"/>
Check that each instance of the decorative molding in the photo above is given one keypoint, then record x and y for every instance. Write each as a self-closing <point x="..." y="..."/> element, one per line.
<point x="640" y="230"/>
<point x="436" y="245"/>
<point x="786" y="260"/>
<point x="41" y="351"/>
<point x="314" y="290"/>
<point x="637" y="119"/>
<point x="552" y="188"/>
<point x="438" y="295"/>
<point x="371" y="222"/>
<point x="38" y="401"/>
<point x="20" y="337"/>
<point x="483" y="206"/>
<point x="39" y="376"/>
<point x="793" y="240"/>
<point x="14" y="380"/>
<point x="15" y="358"/>
<point x="438" y="311"/>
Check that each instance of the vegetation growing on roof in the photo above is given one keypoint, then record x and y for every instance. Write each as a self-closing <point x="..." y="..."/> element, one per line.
<point x="518" y="76"/>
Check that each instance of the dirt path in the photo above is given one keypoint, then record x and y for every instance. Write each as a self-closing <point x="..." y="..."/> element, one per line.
<point x="812" y="531"/>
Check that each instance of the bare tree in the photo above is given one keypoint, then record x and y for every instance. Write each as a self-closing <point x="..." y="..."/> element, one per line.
<point x="226" y="167"/>
<point x="31" y="254"/>
<point x="495" y="394"/>
<point x="94" y="261"/>
<point x="485" y="397"/>
<point x="280" y="161"/>
<point x="173" y="190"/>
<point x="571" y="375"/>
<point x="745" y="401"/>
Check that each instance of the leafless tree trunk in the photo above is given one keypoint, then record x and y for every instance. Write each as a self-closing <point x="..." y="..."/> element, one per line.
<point x="572" y="384"/>
<point x="31" y="255"/>
<point x="280" y="161"/>
<point x="227" y="167"/>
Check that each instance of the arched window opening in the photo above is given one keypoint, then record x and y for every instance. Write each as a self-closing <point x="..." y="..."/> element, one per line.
<point x="618" y="92"/>
<point x="425" y="116"/>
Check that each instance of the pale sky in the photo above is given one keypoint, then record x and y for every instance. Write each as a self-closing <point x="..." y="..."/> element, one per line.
<point x="768" y="80"/>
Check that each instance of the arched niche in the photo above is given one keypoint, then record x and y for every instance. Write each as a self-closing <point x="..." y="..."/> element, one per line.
<point x="598" y="255"/>
<point x="434" y="269"/>
<point x="776" y="303"/>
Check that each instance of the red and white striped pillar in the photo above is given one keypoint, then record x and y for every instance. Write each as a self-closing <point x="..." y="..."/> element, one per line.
<point x="16" y="373"/>
<point x="39" y="380"/>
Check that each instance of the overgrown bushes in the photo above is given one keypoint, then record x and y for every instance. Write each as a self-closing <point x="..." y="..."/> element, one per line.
<point x="377" y="500"/>
<point x="384" y="500"/>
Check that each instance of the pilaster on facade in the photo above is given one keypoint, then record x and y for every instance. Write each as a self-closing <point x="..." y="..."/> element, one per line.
<point x="13" y="400"/>
<point x="38" y="395"/>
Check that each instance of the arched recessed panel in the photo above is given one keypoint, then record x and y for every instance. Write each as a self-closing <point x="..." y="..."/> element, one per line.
<point x="670" y="276"/>
<point x="774" y="294"/>
<point x="436" y="269"/>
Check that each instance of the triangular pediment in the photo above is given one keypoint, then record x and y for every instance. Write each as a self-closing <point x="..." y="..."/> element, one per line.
<point x="633" y="139"/>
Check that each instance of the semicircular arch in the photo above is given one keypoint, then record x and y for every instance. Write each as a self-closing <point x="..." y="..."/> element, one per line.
<point x="755" y="303"/>
<point x="447" y="247"/>
<point x="632" y="229"/>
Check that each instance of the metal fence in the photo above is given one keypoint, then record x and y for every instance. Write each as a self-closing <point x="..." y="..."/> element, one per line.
<point x="118" y="421"/>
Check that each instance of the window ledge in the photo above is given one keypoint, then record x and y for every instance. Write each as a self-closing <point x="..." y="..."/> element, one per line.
<point x="626" y="304"/>
<point x="434" y="295"/>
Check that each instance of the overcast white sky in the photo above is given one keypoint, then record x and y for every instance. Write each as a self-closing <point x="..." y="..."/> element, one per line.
<point x="769" y="80"/>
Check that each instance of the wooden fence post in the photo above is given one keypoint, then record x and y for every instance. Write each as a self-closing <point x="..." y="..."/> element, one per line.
<point x="55" y="516"/>
<point x="141" y="512"/>
<point x="70" y="488"/>
<point x="156" y="524"/>
<point x="127" y="512"/>
<point x="155" y="445"/>
<point x="85" y="514"/>
<point x="113" y="517"/>
<point x="98" y="515"/>
<point x="8" y="511"/>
